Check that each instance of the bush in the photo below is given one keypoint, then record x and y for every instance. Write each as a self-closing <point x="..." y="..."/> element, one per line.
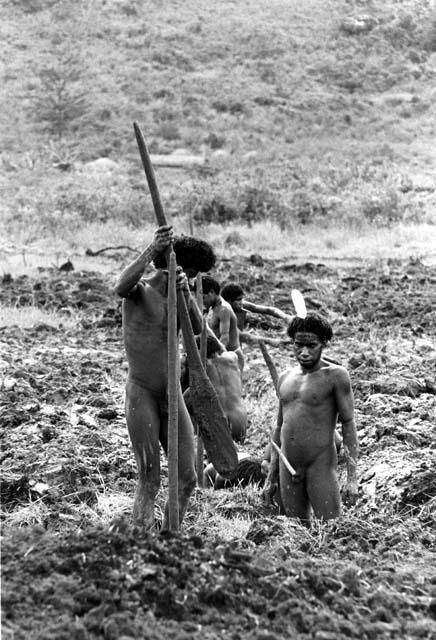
<point x="382" y="205"/>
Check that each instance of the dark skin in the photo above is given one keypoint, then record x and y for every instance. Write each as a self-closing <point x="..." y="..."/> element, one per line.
<point x="222" y="368"/>
<point x="146" y="344"/>
<point x="222" y="321"/>
<point x="224" y="373"/>
<point x="312" y="396"/>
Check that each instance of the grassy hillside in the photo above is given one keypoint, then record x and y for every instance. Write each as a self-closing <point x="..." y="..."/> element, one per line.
<point x="306" y="112"/>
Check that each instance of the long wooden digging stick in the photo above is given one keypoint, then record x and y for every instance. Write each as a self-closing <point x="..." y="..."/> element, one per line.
<point x="208" y="412"/>
<point x="173" y="387"/>
<point x="203" y="355"/>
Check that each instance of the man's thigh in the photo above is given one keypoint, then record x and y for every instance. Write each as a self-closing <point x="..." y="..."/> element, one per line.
<point x="294" y="496"/>
<point x="142" y="417"/>
<point x="323" y="489"/>
<point x="186" y="449"/>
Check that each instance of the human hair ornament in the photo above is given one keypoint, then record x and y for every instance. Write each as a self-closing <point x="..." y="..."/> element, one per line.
<point x="299" y="304"/>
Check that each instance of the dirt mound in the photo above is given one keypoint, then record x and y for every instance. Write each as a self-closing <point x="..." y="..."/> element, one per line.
<point x="117" y="583"/>
<point x="56" y="290"/>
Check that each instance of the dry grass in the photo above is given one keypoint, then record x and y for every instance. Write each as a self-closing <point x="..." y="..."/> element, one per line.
<point x="26" y="317"/>
<point x="339" y="242"/>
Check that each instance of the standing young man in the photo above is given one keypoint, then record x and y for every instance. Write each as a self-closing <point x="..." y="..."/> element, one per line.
<point x="145" y="330"/>
<point x="312" y="396"/>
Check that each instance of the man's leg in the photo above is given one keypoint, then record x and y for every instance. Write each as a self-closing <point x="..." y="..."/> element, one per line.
<point x="295" y="500"/>
<point x="241" y="362"/>
<point x="143" y="424"/>
<point x="322" y="485"/>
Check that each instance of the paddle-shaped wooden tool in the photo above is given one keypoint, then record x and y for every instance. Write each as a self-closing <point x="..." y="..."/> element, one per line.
<point x="209" y="415"/>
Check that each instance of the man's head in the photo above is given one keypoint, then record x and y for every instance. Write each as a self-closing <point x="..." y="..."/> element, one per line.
<point x="309" y="336"/>
<point x="211" y="291"/>
<point x="192" y="254"/>
<point x="234" y="295"/>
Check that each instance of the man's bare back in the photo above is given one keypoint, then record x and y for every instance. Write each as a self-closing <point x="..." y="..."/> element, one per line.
<point x="223" y="323"/>
<point x="224" y="373"/>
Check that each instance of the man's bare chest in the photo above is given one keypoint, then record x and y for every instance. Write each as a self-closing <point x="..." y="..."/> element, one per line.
<point x="311" y="389"/>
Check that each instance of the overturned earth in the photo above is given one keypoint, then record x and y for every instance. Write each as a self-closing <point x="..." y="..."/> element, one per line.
<point x="74" y="566"/>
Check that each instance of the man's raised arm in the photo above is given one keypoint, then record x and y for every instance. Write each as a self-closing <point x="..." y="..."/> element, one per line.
<point x="131" y="275"/>
<point x="265" y="310"/>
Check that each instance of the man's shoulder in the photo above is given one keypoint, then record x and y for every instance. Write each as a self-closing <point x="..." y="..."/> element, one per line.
<point x="225" y="307"/>
<point x="288" y="373"/>
<point x="337" y="371"/>
<point x="139" y="291"/>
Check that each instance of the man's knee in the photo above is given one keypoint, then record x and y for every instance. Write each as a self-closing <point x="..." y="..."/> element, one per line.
<point x="187" y="481"/>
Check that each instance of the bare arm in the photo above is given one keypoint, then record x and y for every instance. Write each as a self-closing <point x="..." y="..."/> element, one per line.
<point x="254" y="338"/>
<point x="131" y="275"/>
<point x="345" y="405"/>
<point x="224" y="327"/>
<point x="264" y="310"/>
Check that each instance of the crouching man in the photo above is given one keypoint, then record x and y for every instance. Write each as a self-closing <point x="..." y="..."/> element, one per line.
<point x="222" y="368"/>
<point x="312" y="396"/>
<point x="145" y="331"/>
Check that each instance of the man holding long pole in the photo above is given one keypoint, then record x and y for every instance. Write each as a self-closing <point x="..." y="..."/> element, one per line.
<point x="145" y="329"/>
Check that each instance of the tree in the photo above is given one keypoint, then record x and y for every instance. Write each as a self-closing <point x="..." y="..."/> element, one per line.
<point x="59" y="99"/>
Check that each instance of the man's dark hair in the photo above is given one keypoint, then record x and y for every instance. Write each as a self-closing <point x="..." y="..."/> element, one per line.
<point x="312" y="323"/>
<point x="210" y="284"/>
<point x="249" y="472"/>
<point x="232" y="291"/>
<point x="191" y="253"/>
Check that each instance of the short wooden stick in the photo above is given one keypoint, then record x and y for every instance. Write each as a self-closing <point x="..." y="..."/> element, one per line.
<point x="284" y="459"/>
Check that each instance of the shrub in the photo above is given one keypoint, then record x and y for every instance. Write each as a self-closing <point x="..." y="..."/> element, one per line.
<point x="382" y="205"/>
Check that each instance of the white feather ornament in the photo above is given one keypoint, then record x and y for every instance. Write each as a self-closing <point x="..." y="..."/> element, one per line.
<point x="299" y="304"/>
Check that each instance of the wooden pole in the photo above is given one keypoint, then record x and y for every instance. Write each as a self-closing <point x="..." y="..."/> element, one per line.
<point x="173" y="409"/>
<point x="200" y="444"/>
<point x="270" y="364"/>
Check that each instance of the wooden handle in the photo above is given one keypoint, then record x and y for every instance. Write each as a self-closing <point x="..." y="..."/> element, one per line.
<point x="173" y="406"/>
<point x="149" y="174"/>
